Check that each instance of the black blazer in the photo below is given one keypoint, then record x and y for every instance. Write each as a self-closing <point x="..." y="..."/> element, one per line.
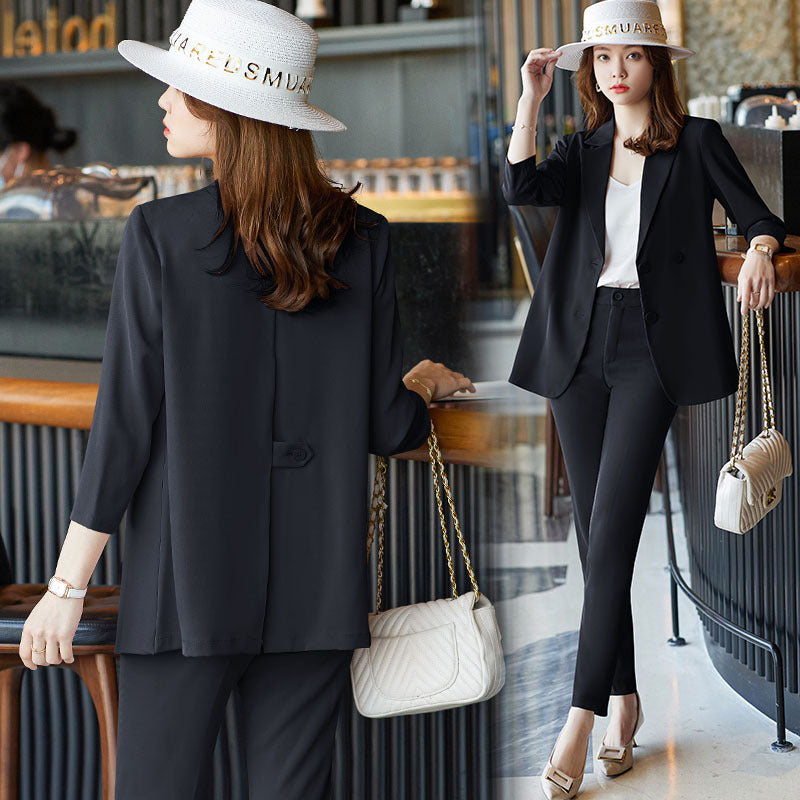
<point x="238" y="436"/>
<point x="682" y="300"/>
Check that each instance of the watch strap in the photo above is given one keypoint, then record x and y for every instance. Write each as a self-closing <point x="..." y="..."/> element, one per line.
<point x="61" y="588"/>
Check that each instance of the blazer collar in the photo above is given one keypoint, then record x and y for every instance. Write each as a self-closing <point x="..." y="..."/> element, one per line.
<point x="601" y="135"/>
<point x="596" y="155"/>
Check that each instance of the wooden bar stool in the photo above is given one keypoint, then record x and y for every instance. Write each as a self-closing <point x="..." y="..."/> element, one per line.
<point x="94" y="661"/>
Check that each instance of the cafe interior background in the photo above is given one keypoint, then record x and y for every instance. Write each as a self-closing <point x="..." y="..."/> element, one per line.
<point x="428" y="92"/>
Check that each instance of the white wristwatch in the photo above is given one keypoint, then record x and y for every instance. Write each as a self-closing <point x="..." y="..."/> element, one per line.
<point x="61" y="588"/>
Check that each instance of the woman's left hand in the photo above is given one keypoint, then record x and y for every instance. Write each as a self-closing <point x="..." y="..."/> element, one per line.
<point x="439" y="379"/>
<point x="48" y="631"/>
<point x="756" y="282"/>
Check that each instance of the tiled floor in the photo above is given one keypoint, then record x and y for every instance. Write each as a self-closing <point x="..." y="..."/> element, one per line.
<point x="699" y="739"/>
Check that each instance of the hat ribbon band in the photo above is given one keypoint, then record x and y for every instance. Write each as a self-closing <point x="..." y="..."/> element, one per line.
<point x="278" y="77"/>
<point x="654" y="29"/>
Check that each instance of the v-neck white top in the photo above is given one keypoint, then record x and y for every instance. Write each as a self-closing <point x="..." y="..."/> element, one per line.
<point x="622" y="233"/>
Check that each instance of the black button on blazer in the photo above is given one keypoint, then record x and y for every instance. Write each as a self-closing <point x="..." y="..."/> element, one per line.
<point x="237" y="437"/>
<point x="682" y="302"/>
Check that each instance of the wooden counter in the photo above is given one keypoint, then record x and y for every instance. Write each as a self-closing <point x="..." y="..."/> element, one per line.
<point x="465" y="428"/>
<point x="787" y="265"/>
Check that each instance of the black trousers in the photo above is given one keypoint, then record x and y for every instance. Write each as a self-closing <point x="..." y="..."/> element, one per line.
<point x="171" y="708"/>
<point x="612" y="421"/>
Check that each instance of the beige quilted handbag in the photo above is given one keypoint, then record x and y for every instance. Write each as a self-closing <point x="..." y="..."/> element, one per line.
<point x="432" y="655"/>
<point x="751" y="483"/>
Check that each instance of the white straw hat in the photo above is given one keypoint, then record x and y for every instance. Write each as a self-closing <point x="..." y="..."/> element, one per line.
<point x="619" y="22"/>
<point x="245" y="56"/>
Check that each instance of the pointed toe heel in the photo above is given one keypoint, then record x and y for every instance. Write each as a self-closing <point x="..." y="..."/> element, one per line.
<point x="616" y="760"/>
<point x="556" y="784"/>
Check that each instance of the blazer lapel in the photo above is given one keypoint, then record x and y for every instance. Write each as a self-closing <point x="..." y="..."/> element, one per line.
<point x="595" y="169"/>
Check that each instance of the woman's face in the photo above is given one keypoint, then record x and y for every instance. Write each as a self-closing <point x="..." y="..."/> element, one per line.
<point x="624" y="64"/>
<point x="187" y="136"/>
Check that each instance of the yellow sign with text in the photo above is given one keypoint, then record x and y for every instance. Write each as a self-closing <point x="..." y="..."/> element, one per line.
<point x="31" y="38"/>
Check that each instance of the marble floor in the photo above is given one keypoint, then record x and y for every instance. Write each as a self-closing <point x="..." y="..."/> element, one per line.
<point x="699" y="740"/>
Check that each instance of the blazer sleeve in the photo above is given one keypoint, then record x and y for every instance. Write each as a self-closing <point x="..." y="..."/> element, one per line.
<point x="527" y="183"/>
<point x="398" y="417"/>
<point x="131" y="384"/>
<point x="734" y="189"/>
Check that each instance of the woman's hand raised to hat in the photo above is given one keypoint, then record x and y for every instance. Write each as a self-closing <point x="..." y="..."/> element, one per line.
<point x="440" y="380"/>
<point x="537" y="73"/>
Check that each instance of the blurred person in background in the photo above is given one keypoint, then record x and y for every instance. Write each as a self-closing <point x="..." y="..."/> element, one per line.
<point x="28" y="130"/>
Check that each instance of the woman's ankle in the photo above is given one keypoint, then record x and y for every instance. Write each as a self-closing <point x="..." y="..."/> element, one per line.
<point x="620" y="702"/>
<point x="581" y="717"/>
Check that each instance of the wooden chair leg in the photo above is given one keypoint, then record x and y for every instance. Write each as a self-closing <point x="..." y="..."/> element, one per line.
<point x="562" y="469"/>
<point x="10" y="687"/>
<point x="99" y="674"/>
<point x="555" y="479"/>
<point x="550" y="461"/>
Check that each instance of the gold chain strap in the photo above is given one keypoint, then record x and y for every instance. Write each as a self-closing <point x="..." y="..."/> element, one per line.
<point x="768" y="411"/>
<point x="741" y="392"/>
<point x="766" y="385"/>
<point x="436" y="458"/>
<point x="377" y="513"/>
<point x="378" y="508"/>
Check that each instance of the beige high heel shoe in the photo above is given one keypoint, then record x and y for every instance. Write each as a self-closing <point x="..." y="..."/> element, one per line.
<point x="616" y="760"/>
<point x="556" y="783"/>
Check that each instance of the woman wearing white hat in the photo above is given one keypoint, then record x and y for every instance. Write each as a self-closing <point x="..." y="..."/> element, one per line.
<point x="253" y="359"/>
<point x="627" y="320"/>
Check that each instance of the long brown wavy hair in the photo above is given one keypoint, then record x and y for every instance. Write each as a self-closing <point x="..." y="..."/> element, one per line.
<point x="285" y="211"/>
<point x="666" y="106"/>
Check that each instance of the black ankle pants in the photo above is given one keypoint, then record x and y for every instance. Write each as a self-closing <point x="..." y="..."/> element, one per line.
<point x="612" y="421"/>
<point x="171" y="707"/>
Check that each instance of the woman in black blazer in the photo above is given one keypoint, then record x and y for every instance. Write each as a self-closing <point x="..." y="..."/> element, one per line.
<point x="626" y="323"/>
<point x="253" y="359"/>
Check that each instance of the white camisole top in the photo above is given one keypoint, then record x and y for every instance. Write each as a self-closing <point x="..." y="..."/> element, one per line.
<point x="622" y="233"/>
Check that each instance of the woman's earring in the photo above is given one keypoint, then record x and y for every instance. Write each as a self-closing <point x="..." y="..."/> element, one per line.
<point x="597" y="86"/>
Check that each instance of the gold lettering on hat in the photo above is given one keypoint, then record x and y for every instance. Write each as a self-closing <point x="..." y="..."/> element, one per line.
<point x="274" y="82"/>
<point x="610" y="29"/>
<point x="233" y="63"/>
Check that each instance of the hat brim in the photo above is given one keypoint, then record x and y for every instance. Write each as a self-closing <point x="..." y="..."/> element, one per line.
<point x="160" y="64"/>
<point x="571" y="53"/>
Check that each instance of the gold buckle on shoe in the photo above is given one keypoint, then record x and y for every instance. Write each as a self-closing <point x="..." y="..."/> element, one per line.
<point x="553" y="773"/>
<point x="605" y="749"/>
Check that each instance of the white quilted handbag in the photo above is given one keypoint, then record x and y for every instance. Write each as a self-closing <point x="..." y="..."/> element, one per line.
<point x="433" y="655"/>
<point x="751" y="483"/>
